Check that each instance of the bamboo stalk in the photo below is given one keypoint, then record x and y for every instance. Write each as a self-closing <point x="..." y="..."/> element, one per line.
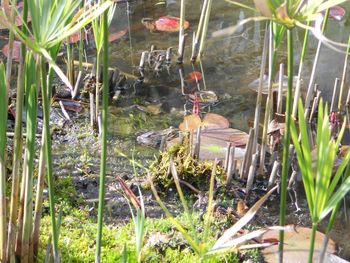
<point x="198" y="32"/>
<point x="227" y="156"/>
<point x="231" y="165"/>
<point x="268" y="108"/>
<point x="17" y="152"/>
<point x="182" y="30"/>
<point x="280" y="89"/>
<point x="259" y="97"/>
<point x="313" y="72"/>
<point x="273" y="174"/>
<point x="334" y="96"/>
<point x="300" y="70"/>
<point x="343" y="78"/>
<point x="205" y="28"/>
<point x="315" y="105"/>
<point x="247" y="155"/>
<point x="251" y="174"/>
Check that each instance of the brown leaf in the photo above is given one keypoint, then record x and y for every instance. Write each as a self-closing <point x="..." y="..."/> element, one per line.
<point x="296" y="245"/>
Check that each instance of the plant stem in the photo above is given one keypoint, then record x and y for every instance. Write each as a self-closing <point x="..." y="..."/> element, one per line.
<point x="301" y="63"/>
<point x="182" y="21"/>
<point x="3" y="177"/>
<point x="312" y="242"/>
<point x="18" y="146"/>
<point x="97" y="93"/>
<point x="205" y="29"/>
<point x="46" y="110"/>
<point x="31" y="108"/>
<point x="313" y="72"/>
<point x="259" y="97"/>
<point x="103" y="137"/>
<point x="285" y="161"/>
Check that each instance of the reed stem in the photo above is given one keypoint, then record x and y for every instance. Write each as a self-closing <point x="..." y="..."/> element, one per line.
<point x="313" y="72"/>
<point x="103" y="137"/>
<point x="45" y="93"/>
<point x="285" y="161"/>
<point x="300" y="70"/>
<point x="312" y="242"/>
<point x="3" y="177"/>
<point x="31" y="107"/>
<point x="205" y="28"/>
<point x="17" y="149"/>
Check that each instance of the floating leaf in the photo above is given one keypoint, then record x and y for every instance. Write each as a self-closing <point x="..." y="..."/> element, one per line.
<point x="215" y="121"/>
<point x="164" y="23"/>
<point x="194" y="76"/>
<point x="213" y="143"/>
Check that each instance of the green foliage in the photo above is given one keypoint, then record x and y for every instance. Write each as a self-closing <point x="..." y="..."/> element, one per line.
<point x="320" y="184"/>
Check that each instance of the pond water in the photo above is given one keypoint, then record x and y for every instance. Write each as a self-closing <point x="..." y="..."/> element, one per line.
<point x="229" y="65"/>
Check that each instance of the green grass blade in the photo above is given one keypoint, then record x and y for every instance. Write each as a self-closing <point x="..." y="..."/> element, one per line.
<point x="31" y="108"/>
<point x="302" y="166"/>
<point x="336" y="197"/>
<point x="210" y="203"/>
<point x="182" y="230"/>
<point x="344" y="163"/>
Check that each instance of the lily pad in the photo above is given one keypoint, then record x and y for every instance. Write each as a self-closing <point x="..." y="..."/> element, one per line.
<point x="296" y="245"/>
<point x="164" y="23"/>
<point x="254" y="85"/>
<point x="210" y="121"/>
<point x="193" y="76"/>
<point x="215" y="121"/>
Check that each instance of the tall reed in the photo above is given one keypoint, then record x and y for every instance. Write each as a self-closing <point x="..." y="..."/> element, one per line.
<point x="105" y="91"/>
<point x="51" y="22"/>
<point x="3" y="172"/>
<point x="18" y="145"/>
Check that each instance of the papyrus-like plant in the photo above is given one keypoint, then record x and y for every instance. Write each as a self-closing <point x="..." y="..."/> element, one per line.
<point x="320" y="184"/>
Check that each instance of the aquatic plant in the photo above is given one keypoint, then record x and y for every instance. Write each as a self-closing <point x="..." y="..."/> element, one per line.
<point x="51" y="22"/>
<point x="139" y="225"/>
<point x="286" y="15"/>
<point x="3" y="140"/>
<point x="97" y="26"/>
<point x="319" y="183"/>
<point x="104" y="115"/>
<point x="227" y="243"/>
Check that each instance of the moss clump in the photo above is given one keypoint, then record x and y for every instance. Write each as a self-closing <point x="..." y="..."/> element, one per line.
<point x="189" y="169"/>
